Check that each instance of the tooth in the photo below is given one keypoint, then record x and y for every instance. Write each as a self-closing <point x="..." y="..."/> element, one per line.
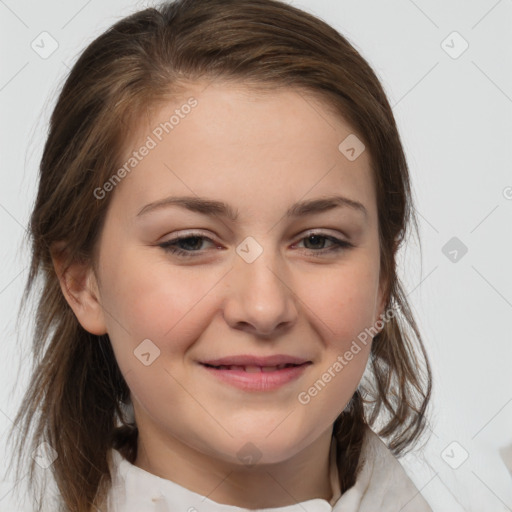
<point x="252" y="369"/>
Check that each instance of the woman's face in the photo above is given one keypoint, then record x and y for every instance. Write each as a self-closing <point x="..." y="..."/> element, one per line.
<point x="258" y="286"/>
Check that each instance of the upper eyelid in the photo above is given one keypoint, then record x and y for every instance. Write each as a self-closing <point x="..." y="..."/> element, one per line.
<point x="310" y="232"/>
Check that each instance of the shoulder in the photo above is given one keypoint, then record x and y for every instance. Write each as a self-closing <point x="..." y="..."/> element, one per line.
<point x="382" y="483"/>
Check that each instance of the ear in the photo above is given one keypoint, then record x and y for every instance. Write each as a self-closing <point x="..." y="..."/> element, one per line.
<point x="381" y="298"/>
<point x="80" y="289"/>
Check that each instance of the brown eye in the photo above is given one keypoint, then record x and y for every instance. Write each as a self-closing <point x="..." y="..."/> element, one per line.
<point x="173" y="246"/>
<point x="316" y="242"/>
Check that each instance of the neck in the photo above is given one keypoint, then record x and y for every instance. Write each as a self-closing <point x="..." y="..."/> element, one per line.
<point x="304" y="476"/>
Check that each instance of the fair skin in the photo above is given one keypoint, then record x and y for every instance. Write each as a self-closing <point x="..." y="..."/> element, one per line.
<point x="260" y="154"/>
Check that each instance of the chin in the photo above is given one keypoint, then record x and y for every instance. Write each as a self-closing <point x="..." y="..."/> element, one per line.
<point x="259" y="449"/>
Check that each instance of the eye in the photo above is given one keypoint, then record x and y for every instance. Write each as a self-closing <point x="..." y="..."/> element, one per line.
<point x="172" y="246"/>
<point x="315" y="239"/>
<point x="175" y="245"/>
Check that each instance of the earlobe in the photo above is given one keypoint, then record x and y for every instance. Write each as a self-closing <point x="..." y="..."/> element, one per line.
<point x="80" y="289"/>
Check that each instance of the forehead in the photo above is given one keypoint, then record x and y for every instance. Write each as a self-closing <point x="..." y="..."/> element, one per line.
<point x="248" y="146"/>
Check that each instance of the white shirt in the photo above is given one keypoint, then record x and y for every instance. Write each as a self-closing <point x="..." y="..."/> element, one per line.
<point x="381" y="486"/>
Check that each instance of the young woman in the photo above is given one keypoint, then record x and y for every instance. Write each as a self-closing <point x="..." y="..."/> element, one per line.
<point x="220" y="325"/>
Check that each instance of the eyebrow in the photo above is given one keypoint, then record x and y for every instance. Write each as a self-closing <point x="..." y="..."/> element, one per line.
<point x="220" y="209"/>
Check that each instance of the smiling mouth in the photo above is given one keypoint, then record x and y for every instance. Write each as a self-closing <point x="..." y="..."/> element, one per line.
<point x="257" y="378"/>
<point x="254" y="368"/>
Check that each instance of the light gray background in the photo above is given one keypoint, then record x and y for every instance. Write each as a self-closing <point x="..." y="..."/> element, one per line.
<point x="455" y="118"/>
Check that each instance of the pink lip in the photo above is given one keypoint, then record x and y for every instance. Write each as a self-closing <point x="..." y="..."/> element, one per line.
<point x="258" y="381"/>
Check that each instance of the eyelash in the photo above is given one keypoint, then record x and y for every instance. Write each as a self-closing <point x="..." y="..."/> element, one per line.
<point x="170" y="245"/>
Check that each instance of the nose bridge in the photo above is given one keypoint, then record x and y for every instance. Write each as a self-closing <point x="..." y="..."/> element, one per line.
<point x="259" y="293"/>
<point x="260" y="265"/>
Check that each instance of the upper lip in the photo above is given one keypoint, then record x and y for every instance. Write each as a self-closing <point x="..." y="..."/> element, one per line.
<point x="248" y="360"/>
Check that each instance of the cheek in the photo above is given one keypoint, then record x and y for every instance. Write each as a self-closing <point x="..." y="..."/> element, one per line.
<point x="343" y="301"/>
<point x="341" y="309"/>
<point x="344" y="308"/>
<point x="145" y="299"/>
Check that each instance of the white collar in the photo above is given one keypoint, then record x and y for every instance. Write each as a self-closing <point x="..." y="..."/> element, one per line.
<point x="381" y="485"/>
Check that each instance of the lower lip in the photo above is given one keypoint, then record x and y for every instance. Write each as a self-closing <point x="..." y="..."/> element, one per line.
<point x="258" y="381"/>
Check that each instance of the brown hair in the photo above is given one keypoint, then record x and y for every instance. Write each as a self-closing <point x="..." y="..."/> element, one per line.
<point x="76" y="392"/>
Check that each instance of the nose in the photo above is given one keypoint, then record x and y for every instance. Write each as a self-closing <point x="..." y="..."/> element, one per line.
<point x="260" y="297"/>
